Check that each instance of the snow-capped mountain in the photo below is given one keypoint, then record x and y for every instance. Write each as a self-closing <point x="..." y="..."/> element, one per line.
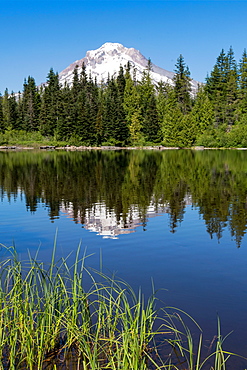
<point x="107" y="60"/>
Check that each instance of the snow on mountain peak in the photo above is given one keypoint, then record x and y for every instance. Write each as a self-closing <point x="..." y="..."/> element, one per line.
<point x="107" y="59"/>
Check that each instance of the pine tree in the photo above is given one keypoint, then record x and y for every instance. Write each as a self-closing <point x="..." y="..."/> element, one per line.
<point x="201" y="117"/>
<point x="10" y="111"/>
<point x="29" y="104"/>
<point x="243" y="83"/>
<point x="121" y="83"/>
<point x="172" y="127"/>
<point x="222" y="87"/>
<point x="149" y="113"/>
<point x="2" y="125"/>
<point x="231" y="89"/>
<point x="114" y="121"/>
<point x="135" y="129"/>
<point x="99" y="120"/>
<point x="92" y="108"/>
<point x="131" y="102"/>
<point x="50" y="105"/>
<point x="65" y="122"/>
<point x="5" y="107"/>
<point x="182" y="86"/>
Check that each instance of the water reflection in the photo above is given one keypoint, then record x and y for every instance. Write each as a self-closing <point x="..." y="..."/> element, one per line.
<point x="112" y="193"/>
<point x="106" y="224"/>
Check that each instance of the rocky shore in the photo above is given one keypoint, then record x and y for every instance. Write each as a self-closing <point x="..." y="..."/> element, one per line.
<point x="82" y="148"/>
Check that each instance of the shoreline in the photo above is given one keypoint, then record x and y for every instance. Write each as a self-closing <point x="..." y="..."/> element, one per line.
<point x="114" y="148"/>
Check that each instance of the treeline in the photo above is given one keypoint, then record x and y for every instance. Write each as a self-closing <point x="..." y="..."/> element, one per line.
<point x="124" y="111"/>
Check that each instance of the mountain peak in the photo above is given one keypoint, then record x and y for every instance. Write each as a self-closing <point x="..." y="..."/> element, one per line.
<point x="107" y="59"/>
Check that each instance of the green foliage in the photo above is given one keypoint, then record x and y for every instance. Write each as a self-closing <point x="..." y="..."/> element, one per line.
<point x="2" y="126"/>
<point x="21" y="137"/>
<point x="201" y="116"/>
<point x="46" y="311"/>
<point x="215" y="180"/>
<point x="29" y="106"/>
<point x="50" y="106"/>
<point x="182" y="86"/>
<point x="222" y="87"/>
<point x="114" y="122"/>
<point x="172" y="125"/>
<point x="135" y="128"/>
<point x="125" y="111"/>
<point x="148" y="110"/>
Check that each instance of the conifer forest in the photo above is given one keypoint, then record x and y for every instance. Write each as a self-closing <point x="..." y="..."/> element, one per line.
<point x="124" y="111"/>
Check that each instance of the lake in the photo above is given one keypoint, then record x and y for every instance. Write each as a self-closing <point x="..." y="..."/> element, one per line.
<point x="177" y="217"/>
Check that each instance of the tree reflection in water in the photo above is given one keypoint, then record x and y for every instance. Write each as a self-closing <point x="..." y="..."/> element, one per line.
<point x="132" y="185"/>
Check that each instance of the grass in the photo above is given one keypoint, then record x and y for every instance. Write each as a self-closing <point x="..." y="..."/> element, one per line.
<point x="27" y="139"/>
<point x="48" y="321"/>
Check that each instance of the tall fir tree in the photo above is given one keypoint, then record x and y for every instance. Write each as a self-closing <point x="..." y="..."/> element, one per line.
<point x="172" y="126"/>
<point x="10" y="111"/>
<point x="243" y="83"/>
<point x="2" y="126"/>
<point x="132" y="108"/>
<point x="92" y="95"/>
<point x="182" y="86"/>
<point x="149" y="113"/>
<point x="29" y="103"/>
<point x="231" y="89"/>
<point x="50" y="105"/>
<point x="222" y="87"/>
<point x="201" y="116"/>
<point x="65" y="123"/>
<point x="114" y="120"/>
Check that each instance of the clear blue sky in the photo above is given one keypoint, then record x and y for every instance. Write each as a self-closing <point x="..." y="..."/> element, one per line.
<point x="37" y="35"/>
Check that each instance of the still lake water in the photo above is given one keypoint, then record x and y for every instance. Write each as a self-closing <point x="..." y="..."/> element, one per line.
<point x="177" y="217"/>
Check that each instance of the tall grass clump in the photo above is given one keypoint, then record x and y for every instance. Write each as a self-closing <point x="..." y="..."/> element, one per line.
<point x="48" y="321"/>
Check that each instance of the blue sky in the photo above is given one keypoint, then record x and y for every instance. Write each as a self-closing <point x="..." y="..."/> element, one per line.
<point x="37" y="35"/>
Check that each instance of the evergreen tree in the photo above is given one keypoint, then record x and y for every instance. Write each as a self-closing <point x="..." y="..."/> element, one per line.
<point x="132" y="108"/>
<point x="92" y="109"/>
<point x="222" y="88"/>
<point x="182" y="86"/>
<point x="99" y="119"/>
<point x="161" y="91"/>
<point x="231" y="88"/>
<point x="150" y="120"/>
<point x="10" y="111"/>
<point x="121" y="83"/>
<point x="2" y="125"/>
<point x="13" y="111"/>
<point x="65" y="122"/>
<point x="131" y="102"/>
<point x="29" y="104"/>
<point x="172" y="127"/>
<point x="76" y="85"/>
<point x="114" y="120"/>
<point x="83" y="75"/>
<point x="50" y="105"/>
<point x="243" y="83"/>
<point x="135" y="129"/>
<point x="5" y="107"/>
<point x="215" y="85"/>
<point x="202" y="115"/>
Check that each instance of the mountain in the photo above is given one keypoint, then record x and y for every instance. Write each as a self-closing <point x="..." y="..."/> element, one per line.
<point x="107" y="60"/>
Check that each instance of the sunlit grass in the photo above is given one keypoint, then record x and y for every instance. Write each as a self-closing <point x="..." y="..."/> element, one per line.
<point x="48" y="321"/>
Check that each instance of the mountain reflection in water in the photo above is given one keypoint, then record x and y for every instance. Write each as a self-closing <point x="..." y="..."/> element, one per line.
<point x="105" y="223"/>
<point x="155" y="214"/>
<point x="112" y="192"/>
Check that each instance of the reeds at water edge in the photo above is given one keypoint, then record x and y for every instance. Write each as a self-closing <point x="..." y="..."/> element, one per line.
<point x="49" y="321"/>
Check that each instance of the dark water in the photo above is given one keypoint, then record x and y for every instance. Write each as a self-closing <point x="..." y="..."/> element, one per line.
<point x="177" y="217"/>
